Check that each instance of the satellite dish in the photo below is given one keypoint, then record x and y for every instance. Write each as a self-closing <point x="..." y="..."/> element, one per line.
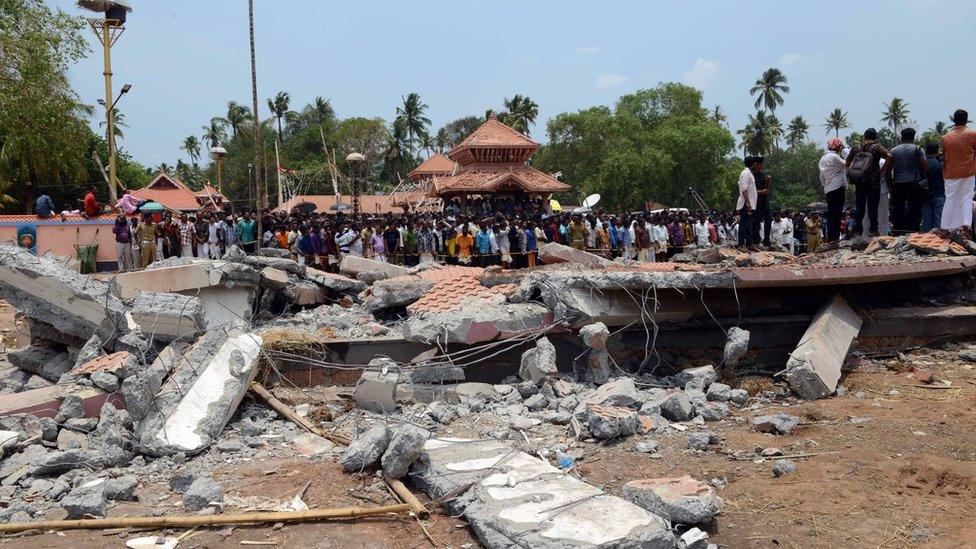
<point x="590" y="201"/>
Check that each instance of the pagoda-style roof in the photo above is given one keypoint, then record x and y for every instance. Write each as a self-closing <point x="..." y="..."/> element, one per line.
<point x="493" y="142"/>
<point x="497" y="178"/>
<point x="437" y="164"/>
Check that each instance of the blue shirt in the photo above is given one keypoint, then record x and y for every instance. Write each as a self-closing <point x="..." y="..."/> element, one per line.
<point x="44" y="207"/>
<point x="614" y="236"/>
<point x="483" y="242"/>
<point x="934" y="176"/>
<point x="529" y="240"/>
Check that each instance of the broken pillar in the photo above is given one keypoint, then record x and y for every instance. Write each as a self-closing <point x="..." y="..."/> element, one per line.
<point x="736" y="345"/>
<point x="814" y="367"/>
<point x="517" y="500"/>
<point x="168" y="316"/>
<point x="47" y="361"/>
<point x="200" y="396"/>
<point x="352" y="266"/>
<point x="539" y="362"/>
<point x="74" y="304"/>
<point x="598" y="367"/>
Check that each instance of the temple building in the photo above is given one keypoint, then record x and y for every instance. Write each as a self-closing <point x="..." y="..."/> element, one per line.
<point x="492" y="161"/>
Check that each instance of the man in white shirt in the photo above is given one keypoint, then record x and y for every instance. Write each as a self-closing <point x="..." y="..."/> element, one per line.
<point x="701" y="232"/>
<point x="833" y="177"/>
<point x="781" y="231"/>
<point x="747" y="200"/>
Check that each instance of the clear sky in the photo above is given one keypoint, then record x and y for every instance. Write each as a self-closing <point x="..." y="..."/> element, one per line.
<point x="187" y="58"/>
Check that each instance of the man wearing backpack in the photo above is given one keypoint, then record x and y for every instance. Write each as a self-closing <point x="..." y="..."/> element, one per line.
<point x="959" y="169"/>
<point x="908" y="183"/>
<point x="864" y="171"/>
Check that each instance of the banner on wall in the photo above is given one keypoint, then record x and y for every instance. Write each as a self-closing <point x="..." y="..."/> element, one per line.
<point x="27" y="236"/>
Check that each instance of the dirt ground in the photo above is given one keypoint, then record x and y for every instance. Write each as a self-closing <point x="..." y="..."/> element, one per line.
<point x="889" y="464"/>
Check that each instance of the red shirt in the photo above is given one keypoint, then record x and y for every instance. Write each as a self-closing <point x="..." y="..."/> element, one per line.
<point x="91" y="205"/>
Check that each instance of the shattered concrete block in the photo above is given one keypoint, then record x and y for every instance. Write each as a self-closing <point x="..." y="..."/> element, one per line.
<point x="516" y="500"/>
<point x="718" y="392"/>
<point x="405" y="447"/>
<point x="72" y="406"/>
<point x="711" y="411"/>
<point x="682" y="500"/>
<point x="121" y="489"/>
<point x="481" y="320"/>
<point x="180" y="482"/>
<point x="273" y="278"/>
<point x="170" y="278"/>
<point x="68" y="439"/>
<point x="74" y="304"/>
<point x="677" y="407"/>
<point x="736" y="345"/>
<point x="335" y="283"/>
<point x="139" y="388"/>
<point x="693" y="539"/>
<point x="91" y="350"/>
<point x="599" y="370"/>
<point x="554" y="252"/>
<point x="201" y="493"/>
<point x="198" y="399"/>
<point x="739" y="396"/>
<point x="48" y="362"/>
<point x="272" y="252"/>
<point x="365" y="450"/>
<point x="442" y="413"/>
<point x="619" y="392"/>
<point x="105" y="381"/>
<point x="376" y="389"/>
<point x="352" y="266"/>
<point x="539" y="362"/>
<point x="705" y="375"/>
<point x="168" y="316"/>
<point x="95" y="458"/>
<point x="609" y="422"/>
<point x="435" y="373"/>
<point x="85" y="501"/>
<point x="779" y="424"/>
<point x="814" y="367"/>
<point x="288" y="265"/>
<point x="307" y="444"/>
<point x="595" y="335"/>
<point x="396" y="292"/>
<point x="783" y="467"/>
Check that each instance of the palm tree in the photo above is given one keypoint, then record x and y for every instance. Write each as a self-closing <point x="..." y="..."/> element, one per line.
<point x="940" y="128"/>
<point x="279" y="108"/>
<point x="237" y="116"/>
<point x="192" y="147"/>
<point x="837" y="121"/>
<point x="796" y="132"/>
<point x="398" y="156"/>
<point x="760" y="134"/>
<point x="775" y="129"/>
<point x="428" y="143"/>
<point x="321" y="110"/>
<point x="771" y="86"/>
<point x="895" y="114"/>
<point x="117" y="117"/>
<point x="521" y="114"/>
<point x="215" y="132"/>
<point x="441" y="140"/>
<point x="719" y="117"/>
<point x="412" y="119"/>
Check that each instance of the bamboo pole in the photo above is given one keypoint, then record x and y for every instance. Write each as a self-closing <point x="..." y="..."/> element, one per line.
<point x="284" y="410"/>
<point x="205" y="520"/>
<point x="407" y="497"/>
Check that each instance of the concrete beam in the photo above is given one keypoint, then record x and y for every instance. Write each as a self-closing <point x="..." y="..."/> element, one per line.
<point x="44" y="402"/>
<point x="168" y="316"/>
<point x="554" y="252"/>
<point x="814" y="367"/>
<point x="352" y="266"/>
<point x="168" y="279"/>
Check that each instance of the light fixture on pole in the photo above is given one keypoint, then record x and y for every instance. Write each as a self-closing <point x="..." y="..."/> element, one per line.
<point x="108" y="29"/>
<point x="219" y="153"/>
<point x="357" y="163"/>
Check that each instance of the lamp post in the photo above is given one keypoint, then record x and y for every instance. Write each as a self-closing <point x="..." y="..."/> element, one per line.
<point x="357" y="162"/>
<point x="219" y="153"/>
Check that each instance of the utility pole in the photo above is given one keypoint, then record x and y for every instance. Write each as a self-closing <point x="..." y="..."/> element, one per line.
<point x="108" y="32"/>
<point x="258" y="165"/>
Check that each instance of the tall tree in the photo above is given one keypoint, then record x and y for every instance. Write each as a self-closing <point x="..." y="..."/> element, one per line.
<point x="279" y="108"/>
<point x="237" y="117"/>
<point x="760" y="134"/>
<point x="411" y="118"/>
<point x="456" y="130"/>
<point x="192" y="147"/>
<point x="321" y="111"/>
<point x="521" y="112"/>
<point x="770" y="87"/>
<point x="43" y="127"/>
<point x="836" y="121"/>
<point x="260" y="182"/>
<point x="796" y="132"/>
<point x="719" y="117"/>
<point x="215" y="132"/>
<point x="428" y="144"/>
<point x="398" y="157"/>
<point x="895" y="114"/>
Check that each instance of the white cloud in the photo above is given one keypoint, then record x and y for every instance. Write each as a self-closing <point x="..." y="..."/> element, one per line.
<point x="588" y="50"/>
<point x="701" y="73"/>
<point x="607" y="81"/>
<point x="790" y="59"/>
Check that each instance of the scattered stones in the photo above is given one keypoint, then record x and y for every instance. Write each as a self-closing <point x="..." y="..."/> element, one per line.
<point x="783" y="467"/>
<point x="539" y="362"/>
<point x="739" y="396"/>
<point x="366" y="450"/>
<point x="646" y="446"/>
<point x="201" y="493"/>
<point x="705" y="373"/>
<point x="84" y="502"/>
<point x="779" y="424"/>
<point x="180" y="482"/>
<point x="105" y="381"/>
<point x="619" y="392"/>
<point x="405" y="446"/>
<point x="719" y="392"/>
<point x="608" y="422"/>
<point x="677" y="407"/>
<point x="700" y="441"/>
<point x="121" y="489"/>
<point x="682" y="500"/>
<point x="72" y="406"/>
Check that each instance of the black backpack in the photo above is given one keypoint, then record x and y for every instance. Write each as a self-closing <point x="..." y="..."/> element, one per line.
<point x="864" y="167"/>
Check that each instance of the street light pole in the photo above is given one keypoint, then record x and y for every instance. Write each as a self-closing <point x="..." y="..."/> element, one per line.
<point x="108" y="31"/>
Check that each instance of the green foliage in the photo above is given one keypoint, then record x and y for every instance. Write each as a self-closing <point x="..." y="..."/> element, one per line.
<point x="652" y="145"/>
<point x="770" y="87"/>
<point x="895" y="114"/>
<point x="455" y="131"/>
<point x="796" y="176"/>
<point x="796" y="132"/>
<point x="761" y="134"/>
<point x="520" y="114"/>
<point x="836" y="121"/>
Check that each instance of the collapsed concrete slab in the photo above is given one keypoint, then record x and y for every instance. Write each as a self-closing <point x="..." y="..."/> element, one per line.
<point x="517" y="500"/>
<point x="396" y="292"/>
<point x="814" y="367"/>
<point x="335" y="283"/>
<point x="45" y="401"/>
<point x="74" y="304"/>
<point x="198" y="399"/>
<point x="352" y="266"/>
<point x="168" y="316"/>
<point x="47" y="361"/>
<point x="190" y="276"/>
<point x="228" y="307"/>
<point x="482" y="320"/>
<point x="554" y="252"/>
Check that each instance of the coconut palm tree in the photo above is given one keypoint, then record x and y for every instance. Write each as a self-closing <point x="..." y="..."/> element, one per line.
<point x="237" y="116"/>
<point x="719" y="117"/>
<point x="836" y="121"/>
<point x="119" y="121"/>
<point x="940" y="128"/>
<point x="279" y="108"/>
<point x="760" y="134"/>
<point x="398" y="156"/>
<point x="411" y="118"/>
<point x="428" y="144"/>
<point x="192" y="147"/>
<point x="522" y="112"/>
<point x="321" y="111"/>
<point x="771" y="86"/>
<point x="775" y="129"/>
<point x="215" y="132"/>
<point x="796" y="132"/>
<point x="895" y="114"/>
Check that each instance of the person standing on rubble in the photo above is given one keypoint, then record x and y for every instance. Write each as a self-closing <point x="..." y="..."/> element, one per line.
<point x="747" y="201"/>
<point x="909" y="167"/>
<point x="123" y="241"/>
<point x="201" y="233"/>
<point x="465" y="244"/>
<point x="864" y="171"/>
<point x="833" y="178"/>
<point x="959" y="171"/>
<point x="814" y="228"/>
<point x="247" y="233"/>
<point x="935" y="197"/>
<point x="146" y="233"/>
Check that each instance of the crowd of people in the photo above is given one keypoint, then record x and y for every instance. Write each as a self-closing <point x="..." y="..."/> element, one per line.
<point x="909" y="188"/>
